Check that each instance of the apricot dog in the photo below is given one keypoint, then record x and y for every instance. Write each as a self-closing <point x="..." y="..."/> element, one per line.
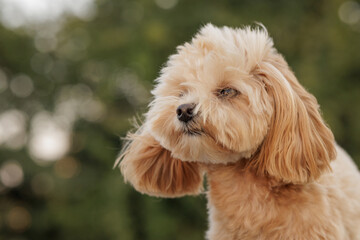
<point x="228" y="105"/>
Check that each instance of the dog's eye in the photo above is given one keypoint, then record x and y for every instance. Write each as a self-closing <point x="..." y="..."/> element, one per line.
<point x="228" y="92"/>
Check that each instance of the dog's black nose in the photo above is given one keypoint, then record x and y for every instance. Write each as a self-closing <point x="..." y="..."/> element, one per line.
<point x="185" y="112"/>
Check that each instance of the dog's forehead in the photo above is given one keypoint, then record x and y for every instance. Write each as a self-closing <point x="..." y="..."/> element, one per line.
<point x="215" y="58"/>
<point x="206" y="65"/>
<point x="215" y="54"/>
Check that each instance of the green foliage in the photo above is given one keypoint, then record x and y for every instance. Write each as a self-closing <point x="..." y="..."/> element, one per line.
<point x="99" y="75"/>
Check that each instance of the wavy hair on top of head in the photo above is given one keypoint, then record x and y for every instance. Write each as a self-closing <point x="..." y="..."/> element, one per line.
<point x="298" y="146"/>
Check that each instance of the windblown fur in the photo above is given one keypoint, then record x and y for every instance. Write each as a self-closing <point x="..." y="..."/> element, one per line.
<point x="274" y="170"/>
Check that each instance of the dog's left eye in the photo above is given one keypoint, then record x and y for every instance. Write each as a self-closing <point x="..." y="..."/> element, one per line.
<point x="228" y="92"/>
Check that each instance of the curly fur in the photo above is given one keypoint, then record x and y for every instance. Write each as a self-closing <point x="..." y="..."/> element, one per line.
<point x="274" y="170"/>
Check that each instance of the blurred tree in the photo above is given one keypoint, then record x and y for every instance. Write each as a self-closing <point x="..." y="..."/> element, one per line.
<point x="69" y="86"/>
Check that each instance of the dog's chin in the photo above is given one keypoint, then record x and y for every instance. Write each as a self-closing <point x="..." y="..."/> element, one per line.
<point x="196" y="145"/>
<point x="193" y="143"/>
<point x="193" y="132"/>
<point x="192" y="129"/>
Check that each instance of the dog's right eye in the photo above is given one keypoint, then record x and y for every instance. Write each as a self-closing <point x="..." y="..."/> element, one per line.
<point x="228" y="92"/>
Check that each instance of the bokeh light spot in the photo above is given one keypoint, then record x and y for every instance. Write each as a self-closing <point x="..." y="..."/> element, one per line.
<point x="130" y="86"/>
<point x="22" y="86"/>
<point x="42" y="63"/>
<point x="49" y="140"/>
<point x="17" y="13"/>
<point x="67" y="167"/>
<point x="13" y="129"/>
<point x="166" y="4"/>
<point x="93" y="71"/>
<point x="19" y="219"/>
<point x="77" y="101"/>
<point x="3" y="81"/>
<point x="349" y="12"/>
<point x="11" y="174"/>
<point x="45" y="44"/>
<point x="156" y="32"/>
<point x="92" y="110"/>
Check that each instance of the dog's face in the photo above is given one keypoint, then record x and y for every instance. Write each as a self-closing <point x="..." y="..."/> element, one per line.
<point x="227" y="96"/>
<point x="210" y="105"/>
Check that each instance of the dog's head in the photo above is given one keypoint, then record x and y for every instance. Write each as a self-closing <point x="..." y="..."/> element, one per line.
<point x="228" y="96"/>
<point x="209" y="105"/>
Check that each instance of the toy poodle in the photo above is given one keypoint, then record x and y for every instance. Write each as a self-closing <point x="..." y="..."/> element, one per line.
<point x="227" y="105"/>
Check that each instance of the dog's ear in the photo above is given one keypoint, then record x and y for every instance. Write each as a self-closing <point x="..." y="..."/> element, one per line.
<point x="299" y="146"/>
<point x="151" y="169"/>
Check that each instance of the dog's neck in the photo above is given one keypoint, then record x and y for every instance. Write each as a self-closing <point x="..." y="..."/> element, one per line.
<point x="239" y="198"/>
<point x="237" y="180"/>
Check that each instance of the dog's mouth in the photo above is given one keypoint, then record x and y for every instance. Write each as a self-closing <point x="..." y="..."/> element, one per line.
<point x="193" y="132"/>
<point x="192" y="128"/>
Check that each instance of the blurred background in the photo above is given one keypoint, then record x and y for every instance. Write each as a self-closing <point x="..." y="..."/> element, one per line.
<point x="73" y="72"/>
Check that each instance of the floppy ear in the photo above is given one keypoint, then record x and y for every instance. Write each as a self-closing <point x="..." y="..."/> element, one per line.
<point x="298" y="146"/>
<point x="151" y="169"/>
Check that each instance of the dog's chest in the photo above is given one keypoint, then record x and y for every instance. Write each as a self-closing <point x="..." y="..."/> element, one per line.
<point x="236" y="207"/>
<point x="244" y="207"/>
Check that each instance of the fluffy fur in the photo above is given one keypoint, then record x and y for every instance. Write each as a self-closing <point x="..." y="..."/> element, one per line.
<point x="274" y="170"/>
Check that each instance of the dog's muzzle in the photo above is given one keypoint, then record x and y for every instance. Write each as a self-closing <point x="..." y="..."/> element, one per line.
<point x="185" y="112"/>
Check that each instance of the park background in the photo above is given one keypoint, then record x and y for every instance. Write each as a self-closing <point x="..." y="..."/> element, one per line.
<point x="74" y="72"/>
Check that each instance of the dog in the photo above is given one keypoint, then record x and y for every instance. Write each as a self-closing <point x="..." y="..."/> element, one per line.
<point x="227" y="105"/>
